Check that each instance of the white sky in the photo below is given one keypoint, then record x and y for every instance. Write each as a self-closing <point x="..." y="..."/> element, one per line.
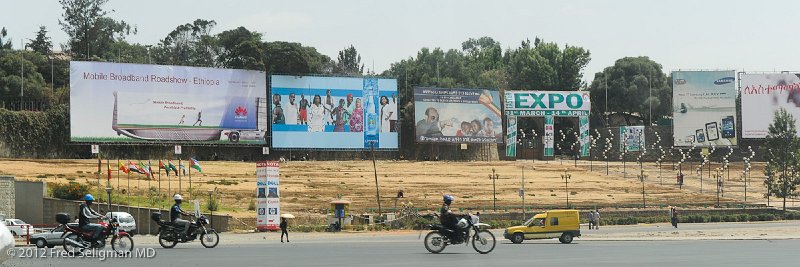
<point x="679" y="34"/>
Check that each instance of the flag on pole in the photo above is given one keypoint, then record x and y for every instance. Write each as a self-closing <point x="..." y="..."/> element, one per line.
<point x="123" y="168"/>
<point x="171" y="167"/>
<point x="163" y="166"/>
<point x="196" y="165"/>
<point x="144" y="168"/>
<point x="182" y="167"/>
<point x="150" y="169"/>
<point x="132" y="167"/>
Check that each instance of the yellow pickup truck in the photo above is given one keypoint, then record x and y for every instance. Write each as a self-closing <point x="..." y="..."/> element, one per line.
<point x="561" y="224"/>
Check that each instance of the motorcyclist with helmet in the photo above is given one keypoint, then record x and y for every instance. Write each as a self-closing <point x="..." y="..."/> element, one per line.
<point x="447" y="217"/>
<point x="175" y="214"/>
<point x="87" y="213"/>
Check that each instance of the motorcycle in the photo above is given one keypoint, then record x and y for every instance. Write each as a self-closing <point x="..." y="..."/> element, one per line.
<point x="483" y="241"/>
<point x="170" y="234"/>
<point x="77" y="239"/>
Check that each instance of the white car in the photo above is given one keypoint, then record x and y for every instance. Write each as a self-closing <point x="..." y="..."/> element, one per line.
<point x="126" y="221"/>
<point x="18" y="227"/>
<point x="50" y="238"/>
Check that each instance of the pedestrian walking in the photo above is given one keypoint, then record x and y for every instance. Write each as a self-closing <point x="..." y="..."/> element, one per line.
<point x="596" y="219"/>
<point x="591" y="219"/>
<point x="674" y="217"/>
<point x="284" y="226"/>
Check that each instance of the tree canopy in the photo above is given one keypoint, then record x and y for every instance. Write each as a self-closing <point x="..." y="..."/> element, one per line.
<point x="632" y="85"/>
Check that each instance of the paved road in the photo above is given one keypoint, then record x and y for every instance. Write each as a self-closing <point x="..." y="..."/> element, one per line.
<point x="407" y="250"/>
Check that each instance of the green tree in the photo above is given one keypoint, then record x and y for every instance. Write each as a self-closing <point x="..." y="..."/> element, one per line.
<point x="348" y="62"/>
<point x="287" y="58"/>
<point x="783" y="144"/>
<point x="544" y="66"/>
<point x="7" y="43"/>
<point x="241" y="48"/>
<point x="42" y="43"/>
<point x="189" y="44"/>
<point x="632" y="84"/>
<point x="88" y="27"/>
<point x="12" y="83"/>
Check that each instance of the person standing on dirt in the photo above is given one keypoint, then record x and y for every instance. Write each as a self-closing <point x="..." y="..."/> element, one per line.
<point x="591" y="219"/>
<point x="284" y="226"/>
<point x="674" y="217"/>
<point x="596" y="219"/>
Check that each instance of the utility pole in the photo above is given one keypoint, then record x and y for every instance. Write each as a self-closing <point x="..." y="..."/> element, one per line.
<point x="566" y="176"/>
<point x="494" y="177"/>
<point x="522" y="194"/>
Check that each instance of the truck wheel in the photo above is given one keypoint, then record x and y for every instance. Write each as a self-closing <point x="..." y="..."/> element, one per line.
<point x="566" y="238"/>
<point x="233" y="137"/>
<point x="517" y="238"/>
<point x="40" y="243"/>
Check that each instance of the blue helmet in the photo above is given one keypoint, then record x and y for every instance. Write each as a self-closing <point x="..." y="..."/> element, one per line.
<point x="88" y="197"/>
<point x="448" y="199"/>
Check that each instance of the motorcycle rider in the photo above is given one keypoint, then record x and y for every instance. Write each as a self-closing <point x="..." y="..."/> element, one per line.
<point x="86" y="213"/>
<point x="447" y="217"/>
<point x="176" y="212"/>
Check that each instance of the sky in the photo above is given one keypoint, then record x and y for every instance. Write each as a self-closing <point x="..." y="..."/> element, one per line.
<point x="678" y="34"/>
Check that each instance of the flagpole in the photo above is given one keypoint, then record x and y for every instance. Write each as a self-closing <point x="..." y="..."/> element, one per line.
<point x="149" y="178"/>
<point x="159" y="184"/>
<point x="190" y="178"/>
<point x="179" y="175"/>
<point x="129" y="189"/>
<point x="99" y="171"/>
<point x="169" y="183"/>
<point x="118" y="163"/>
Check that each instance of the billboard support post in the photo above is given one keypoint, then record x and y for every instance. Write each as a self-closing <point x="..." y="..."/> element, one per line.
<point x="375" y="170"/>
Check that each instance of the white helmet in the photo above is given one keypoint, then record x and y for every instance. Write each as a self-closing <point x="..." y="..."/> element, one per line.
<point x="177" y="197"/>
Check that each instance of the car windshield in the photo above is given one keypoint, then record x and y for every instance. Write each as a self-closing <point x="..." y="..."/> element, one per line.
<point x="60" y="228"/>
<point x="125" y="219"/>
<point x="528" y="222"/>
<point x="18" y="221"/>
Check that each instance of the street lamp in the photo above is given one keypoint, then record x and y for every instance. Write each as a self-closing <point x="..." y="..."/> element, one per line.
<point x="494" y="176"/>
<point x="566" y="176"/>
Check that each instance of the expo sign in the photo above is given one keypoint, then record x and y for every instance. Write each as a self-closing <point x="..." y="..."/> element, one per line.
<point x="556" y="100"/>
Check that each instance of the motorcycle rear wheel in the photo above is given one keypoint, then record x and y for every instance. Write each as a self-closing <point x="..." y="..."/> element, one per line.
<point x="162" y="239"/>
<point x="483" y="242"/>
<point x="209" y="239"/>
<point x="434" y="242"/>
<point x="72" y="248"/>
<point x="122" y="244"/>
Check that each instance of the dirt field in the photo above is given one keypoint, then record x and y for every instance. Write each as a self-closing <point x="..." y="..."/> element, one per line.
<point x="307" y="186"/>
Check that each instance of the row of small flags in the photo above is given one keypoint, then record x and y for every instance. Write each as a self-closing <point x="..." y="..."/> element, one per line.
<point x="147" y="169"/>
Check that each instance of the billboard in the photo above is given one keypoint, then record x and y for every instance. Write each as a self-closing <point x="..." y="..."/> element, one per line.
<point x="457" y="115"/>
<point x="334" y="112"/>
<point x="704" y="108"/>
<point x="550" y="104"/>
<point x="631" y="138"/>
<point x="113" y="102"/>
<point x="762" y="95"/>
<point x="268" y="201"/>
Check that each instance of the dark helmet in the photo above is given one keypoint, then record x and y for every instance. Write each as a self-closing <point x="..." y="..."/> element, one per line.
<point x="448" y="199"/>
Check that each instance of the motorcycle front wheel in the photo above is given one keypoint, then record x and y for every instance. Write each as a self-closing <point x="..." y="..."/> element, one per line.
<point x="434" y="242"/>
<point x="483" y="242"/>
<point x="163" y="237"/>
<point x="209" y="239"/>
<point x="122" y="244"/>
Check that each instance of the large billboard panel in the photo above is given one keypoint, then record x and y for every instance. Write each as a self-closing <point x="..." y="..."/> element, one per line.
<point x="550" y="104"/>
<point x="704" y="108"/>
<point x="762" y="95"/>
<point x="457" y="115"/>
<point x="113" y="102"/>
<point x="334" y="112"/>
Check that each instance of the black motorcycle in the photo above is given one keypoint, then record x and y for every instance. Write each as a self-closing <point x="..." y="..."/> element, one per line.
<point x="483" y="241"/>
<point x="170" y="234"/>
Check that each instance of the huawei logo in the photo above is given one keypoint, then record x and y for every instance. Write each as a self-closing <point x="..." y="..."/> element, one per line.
<point x="240" y="111"/>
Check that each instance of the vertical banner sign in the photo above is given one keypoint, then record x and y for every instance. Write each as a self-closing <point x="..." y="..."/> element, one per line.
<point x="632" y="137"/>
<point x="267" y="195"/>
<point x="370" y="93"/>
<point x="511" y="137"/>
<point x="584" y="127"/>
<point x="549" y="137"/>
<point x="178" y="150"/>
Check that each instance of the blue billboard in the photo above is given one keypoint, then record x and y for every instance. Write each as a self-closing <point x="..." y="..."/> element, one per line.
<point x="334" y="112"/>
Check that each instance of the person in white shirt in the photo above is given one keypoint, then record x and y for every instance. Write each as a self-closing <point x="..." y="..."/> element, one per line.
<point x="290" y="111"/>
<point x="386" y="114"/>
<point x="316" y="120"/>
<point x="392" y="105"/>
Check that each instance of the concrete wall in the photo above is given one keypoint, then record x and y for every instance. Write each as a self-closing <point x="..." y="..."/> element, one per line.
<point x="29" y="203"/>
<point x="145" y="225"/>
<point x="7" y="193"/>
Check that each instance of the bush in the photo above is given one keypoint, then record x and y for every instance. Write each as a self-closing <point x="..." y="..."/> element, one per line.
<point x="744" y="217"/>
<point x="71" y="191"/>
